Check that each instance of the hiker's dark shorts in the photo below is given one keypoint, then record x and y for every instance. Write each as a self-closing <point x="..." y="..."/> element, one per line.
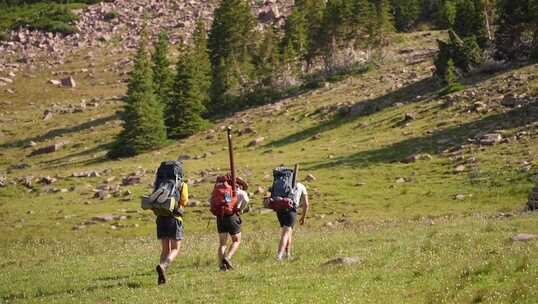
<point x="287" y="218"/>
<point x="169" y="227"/>
<point x="229" y="224"/>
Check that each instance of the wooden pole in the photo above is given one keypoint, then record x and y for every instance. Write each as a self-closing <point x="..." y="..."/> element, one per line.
<point x="232" y="163"/>
<point x="295" y="175"/>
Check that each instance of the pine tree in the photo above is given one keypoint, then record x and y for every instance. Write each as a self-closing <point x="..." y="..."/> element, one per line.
<point x="533" y="10"/>
<point x="189" y="93"/>
<point x="465" y="54"/>
<point x="516" y="20"/>
<point x="267" y="59"/>
<point x="383" y="28"/>
<point x="288" y="64"/>
<point x="451" y="80"/>
<point x="199" y="41"/>
<point x="143" y="125"/>
<point x="162" y="75"/>
<point x="231" y="41"/>
<point x="365" y="23"/>
<point x="303" y="27"/>
<point x="349" y="25"/>
<point x="430" y="10"/>
<point x="406" y="13"/>
<point x="470" y="21"/>
<point x="442" y="58"/>
<point x="447" y="14"/>
<point x="314" y="17"/>
<point x="296" y="33"/>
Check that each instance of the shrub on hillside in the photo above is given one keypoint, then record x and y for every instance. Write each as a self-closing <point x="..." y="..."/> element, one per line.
<point x="451" y="79"/>
<point x="110" y="15"/>
<point x="465" y="53"/>
<point x="50" y="18"/>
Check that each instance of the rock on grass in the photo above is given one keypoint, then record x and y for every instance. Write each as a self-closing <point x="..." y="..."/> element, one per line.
<point x="344" y="261"/>
<point x="524" y="237"/>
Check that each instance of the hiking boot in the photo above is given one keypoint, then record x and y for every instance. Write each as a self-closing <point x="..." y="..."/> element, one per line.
<point x="226" y="263"/>
<point x="223" y="268"/>
<point x="162" y="278"/>
<point x="288" y="256"/>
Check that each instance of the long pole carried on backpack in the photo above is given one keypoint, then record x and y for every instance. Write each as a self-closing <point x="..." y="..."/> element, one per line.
<point x="295" y="175"/>
<point x="232" y="163"/>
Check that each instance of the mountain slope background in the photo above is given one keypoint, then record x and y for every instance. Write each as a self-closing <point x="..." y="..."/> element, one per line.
<point x="424" y="193"/>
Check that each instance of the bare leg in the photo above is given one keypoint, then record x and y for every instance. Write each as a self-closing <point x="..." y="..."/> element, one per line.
<point x="161" y="268"/>
<point x="165" y="249"/>
<point x="288" y="245"/>
<point x="236" y="240"/>
<point x="223" y="239"/>
<point x="284" y="238"/>
<point x="175" y="246"/>
<point x="170" y="252"/>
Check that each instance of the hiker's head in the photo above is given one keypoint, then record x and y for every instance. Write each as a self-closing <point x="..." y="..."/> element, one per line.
<point x="241" y="184"/>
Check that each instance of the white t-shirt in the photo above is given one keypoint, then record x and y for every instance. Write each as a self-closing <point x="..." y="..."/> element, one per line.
<point x="242" y="198"/>
<point x="300" y="194"/>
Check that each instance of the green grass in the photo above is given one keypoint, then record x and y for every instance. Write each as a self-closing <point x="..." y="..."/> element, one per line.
<point x="417" y="243"/>
<point x="461" y="260"/>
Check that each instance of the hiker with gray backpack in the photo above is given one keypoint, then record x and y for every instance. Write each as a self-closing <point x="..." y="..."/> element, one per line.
<point x="169" y="197"/>
<point x="286" y="196"/>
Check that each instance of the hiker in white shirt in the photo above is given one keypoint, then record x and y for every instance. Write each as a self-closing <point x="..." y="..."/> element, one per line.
<point x="287" y="219"/>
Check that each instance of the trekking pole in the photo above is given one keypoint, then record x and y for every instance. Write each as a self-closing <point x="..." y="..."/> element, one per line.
<point x="232" y="164"/>
<point x="295" y="175"/>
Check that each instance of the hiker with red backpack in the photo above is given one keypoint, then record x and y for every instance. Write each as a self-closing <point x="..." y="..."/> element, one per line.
<point x="169" y="197"/>
<point x="227" y="209"/>
<point x="286" y="196"/>
<point x="226" y="200"/>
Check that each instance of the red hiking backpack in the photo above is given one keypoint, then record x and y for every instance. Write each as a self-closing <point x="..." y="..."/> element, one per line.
<point x="280" y="203"/>
<point x="223" y="202"/>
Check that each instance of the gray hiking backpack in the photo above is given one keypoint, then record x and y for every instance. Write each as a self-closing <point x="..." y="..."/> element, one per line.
<point x="283" y="184"/>
<point x="166" y="190"/>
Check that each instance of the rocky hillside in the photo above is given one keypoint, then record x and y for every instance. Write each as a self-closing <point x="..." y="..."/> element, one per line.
<point x="115" y="26"/>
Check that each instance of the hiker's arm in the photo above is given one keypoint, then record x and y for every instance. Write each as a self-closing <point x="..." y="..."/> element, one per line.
<point x="267" y="196"/>
<point x="306" y="206"/>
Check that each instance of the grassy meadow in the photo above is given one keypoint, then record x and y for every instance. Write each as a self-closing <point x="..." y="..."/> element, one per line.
<point x="423" y="232"/>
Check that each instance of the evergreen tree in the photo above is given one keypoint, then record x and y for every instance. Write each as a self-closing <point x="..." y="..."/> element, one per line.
<point x="303" y="27"/>
<point x="470" y="21"/>
<point x="267" y="58"/>
<point x="517" y="22"/>
<point x="451" y="80"/>
<point x="143" y="125"/>
<point x="447" y="14"/>
<point x="406" y="13"/>
<point x="231" y="41"/>
<point x="189" y="94"/>
<point x="314" y="17"/>
<point x="383" y="27"/>
<point x="442" y="58"/>
<point x="465" y="54"/>
<point x="534" y="27"/>
<point x="162" y="75"/>
<point x="350" y="24"/>
<point x="199" y="41"/>
<point x="296" y="33"/>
